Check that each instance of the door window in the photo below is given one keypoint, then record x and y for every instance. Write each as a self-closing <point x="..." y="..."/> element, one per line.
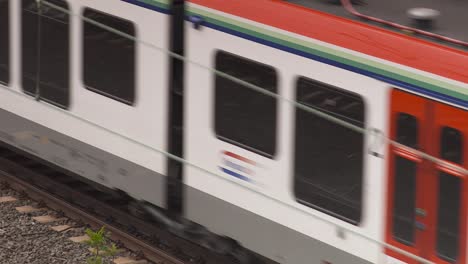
<point x="450" y="186"/>
<point x="404" y="201"/>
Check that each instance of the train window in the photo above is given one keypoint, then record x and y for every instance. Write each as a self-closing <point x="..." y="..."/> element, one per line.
<point x="404" y="201"/>
<point x="407" y="130"/>
<point x="451" y="145"/>
<point x="45" y="52"/>
<point x="329" y="157"/>
<point x="4" y="41"/>
<point x="448" y="216"/>
<point x="450" y="187"/>
<point x="245" y="117"/>
<point x="108" y="58"/>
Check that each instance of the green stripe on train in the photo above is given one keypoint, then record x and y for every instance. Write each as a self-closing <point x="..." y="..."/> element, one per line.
<point x="382" y="69"/>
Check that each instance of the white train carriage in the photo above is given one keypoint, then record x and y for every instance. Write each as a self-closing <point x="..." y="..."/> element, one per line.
<point x="287" y="155"/>
<point x="88" y="86"/>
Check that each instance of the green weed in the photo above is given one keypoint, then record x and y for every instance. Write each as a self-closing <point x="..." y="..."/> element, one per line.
<point x="101" y="246"/>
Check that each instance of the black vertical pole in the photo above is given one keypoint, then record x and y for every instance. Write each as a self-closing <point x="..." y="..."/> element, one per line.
<point x="176" y="109"/>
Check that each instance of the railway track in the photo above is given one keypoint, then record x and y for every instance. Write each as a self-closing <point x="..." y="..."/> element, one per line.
<point x="81" y="202"/>
<point x="151" y="253"/>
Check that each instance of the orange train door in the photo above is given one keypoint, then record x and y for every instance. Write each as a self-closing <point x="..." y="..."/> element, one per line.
<point x="426" y="203"/>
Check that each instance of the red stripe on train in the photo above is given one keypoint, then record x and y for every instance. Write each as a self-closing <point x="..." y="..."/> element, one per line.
<point x="371" y="40"/>
<point x="236" y="156"/>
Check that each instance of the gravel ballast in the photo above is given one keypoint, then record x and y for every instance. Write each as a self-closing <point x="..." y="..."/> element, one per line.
<point x="23" y="240"/>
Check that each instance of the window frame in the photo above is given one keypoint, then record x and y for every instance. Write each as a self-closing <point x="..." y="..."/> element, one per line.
<point x="276" y="112"/>
<point x="362" y="179"/>
<point x="65" y="104"/>
<point x="132" y="101"/>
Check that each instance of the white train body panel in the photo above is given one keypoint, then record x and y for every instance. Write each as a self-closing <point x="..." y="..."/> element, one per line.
<point x="98" y="120"/>
<point x="272" y="195"/>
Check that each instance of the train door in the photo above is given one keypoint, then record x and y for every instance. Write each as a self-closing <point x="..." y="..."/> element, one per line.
<point x="426" y="203"/>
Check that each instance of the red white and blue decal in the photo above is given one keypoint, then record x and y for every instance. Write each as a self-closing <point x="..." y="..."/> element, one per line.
<point x="237" y="166"/>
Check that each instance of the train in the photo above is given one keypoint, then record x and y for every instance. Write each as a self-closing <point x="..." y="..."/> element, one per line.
<point x="292" y="129"/>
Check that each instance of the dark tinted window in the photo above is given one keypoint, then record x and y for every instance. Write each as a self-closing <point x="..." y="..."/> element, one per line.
<point x="451" y="145"/>
<point x="407" y="130"/>
<point x="448" y="216"/>
<point x="108" y="58"/>
<point x="404" y="200"/>
<point x="45" y="52"/>
<point x="4" y="41"/>
<point x="243" y="116"/>
<point x="329" y="157"/>
<point x="450" y="187"/>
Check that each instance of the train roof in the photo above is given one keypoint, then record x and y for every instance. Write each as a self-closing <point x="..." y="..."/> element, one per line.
<point x="450" y="22"/>
<point x="335" y="39"/>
